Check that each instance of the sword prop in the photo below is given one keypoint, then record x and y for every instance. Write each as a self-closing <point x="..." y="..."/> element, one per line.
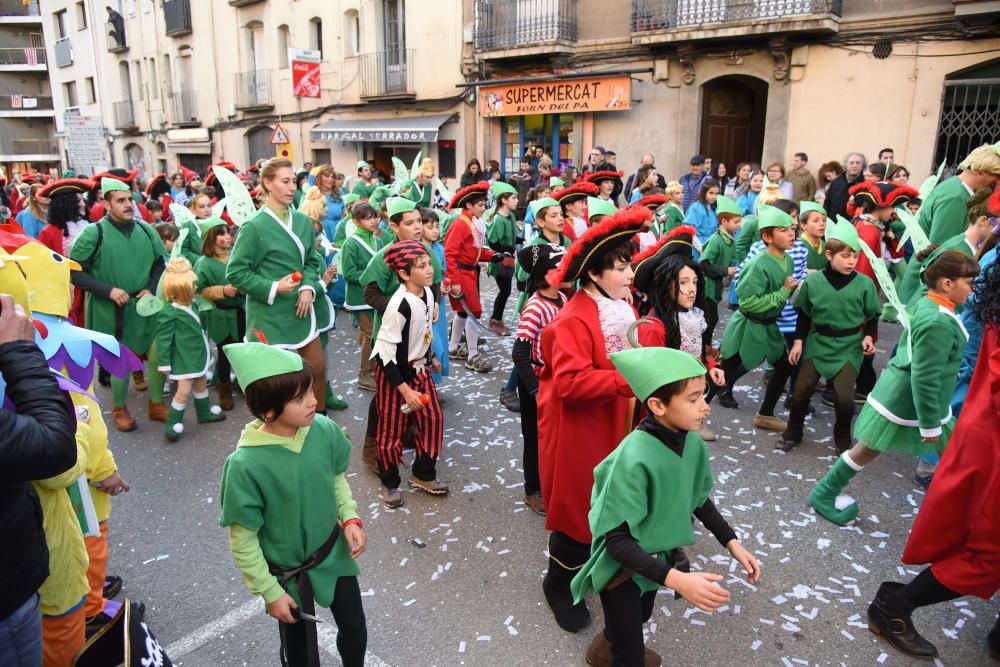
<point x="468" y="313"/>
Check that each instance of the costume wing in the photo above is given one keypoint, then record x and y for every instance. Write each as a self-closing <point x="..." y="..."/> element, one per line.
<point x="914" y="231"/>
<point x="415" y="169"/>
<point x="886" y="283"/>
<point x="238" y="201"/>
<point x="149" y="305"/>
<point x="442" y="190"/>
<point x="400" y="173"/>
<point x="219" y="207"/>
<point x="181" y="214"/>
<point x="930" y="183"/>
<point x="203" y="304"/>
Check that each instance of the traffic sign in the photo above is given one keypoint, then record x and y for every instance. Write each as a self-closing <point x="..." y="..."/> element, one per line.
<point x="285" y="151"/>
<point x="278" y="137"/>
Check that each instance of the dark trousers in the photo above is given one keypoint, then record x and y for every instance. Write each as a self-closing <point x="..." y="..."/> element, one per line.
<point x="843" y="402"/>
<point x="223" y="369"/>
<point x="626" y="608"/>
<point x="529" y="434"/>
<point x="503" y="293"/>
<point x="793" y="371"/>
<point x="734" y="370"/>
<point x="712" y="318"/>
<point x="866" y="376"/>
<point x="352" y="632"/>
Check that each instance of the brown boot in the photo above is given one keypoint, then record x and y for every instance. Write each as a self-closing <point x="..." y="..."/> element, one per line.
<point x="139" y="381"/>
<point x="599" y="653"/>
<point x="122" y="419"/>
<point x="226" y="396"/>
<point x="157" y="412"/>
<point x="368" y="454"/>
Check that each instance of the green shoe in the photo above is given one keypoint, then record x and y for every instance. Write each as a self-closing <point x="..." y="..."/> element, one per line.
<point x="889" y="314"/>
<point x="207" y="413"/>
<point x="334" y="402"/>
<point x="175" y="423"/>
<point x="824" y="497"/>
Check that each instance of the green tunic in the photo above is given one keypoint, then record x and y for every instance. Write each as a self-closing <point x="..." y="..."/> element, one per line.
<point x="181" y="346"/>
<point x="266" y="251"/>
<point x="719" y="250"/>
<point x="191" y="248"/>
<point x="364" y="190"/>
<point x="912" y="288"/>
<point x="675" y="218"/>
<point x="943" y="214"/>
<point x="815" y="257"/>
<point x="124" y="262"/>
<point x="356" y="253"/>
<point x="648" y="486"/>
<point x="220" y="322"/>
<point x="378" y="272"/>
<point x="502" y="236"/>
<point x="287" y="496"/>
<point x="413" y="192"/>
<point x="847" y="308"/>
<point x="326" y="312"/>
<point x="761" y="292"/>
<point x="749" y="234"/>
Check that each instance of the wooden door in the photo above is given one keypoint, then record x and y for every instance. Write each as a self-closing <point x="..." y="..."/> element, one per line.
<point x="732" y="127"/>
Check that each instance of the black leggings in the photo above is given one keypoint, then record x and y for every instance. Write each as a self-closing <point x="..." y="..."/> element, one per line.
<point x="529" y="434"/>
<point x="352" y="632"/>
<point x="503" y="288"/>
<point x="626" y="608"/>
<point x="223" y="369"/>
<point x="712" y="318"/>
<point x="734" y="370"/>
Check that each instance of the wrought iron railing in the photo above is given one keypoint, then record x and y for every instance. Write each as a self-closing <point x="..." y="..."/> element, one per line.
<point x="183" y="107"/>
<point x="177" y="17"/>
<point x="21" y="102"/>
<point x="387" y="73"/>
<point x="511" y="24"/>
<point x="970" y="117"/>
<point x="662" y="14"/>
<point x="19" y="8"/>
<point x="124" y="113"/>
<point x="28" y="55"/>
<point x="253" y="89"/>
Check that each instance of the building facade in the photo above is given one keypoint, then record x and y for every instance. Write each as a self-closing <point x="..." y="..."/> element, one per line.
<point x="26" y="104"/>
<point x="183" y="82"/>
<point x="738" y="80"/>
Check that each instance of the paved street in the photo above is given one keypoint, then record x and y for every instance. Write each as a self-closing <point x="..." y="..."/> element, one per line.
<point x="456" y="581"/>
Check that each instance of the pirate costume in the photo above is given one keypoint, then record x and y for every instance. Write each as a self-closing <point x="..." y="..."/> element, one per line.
<point x="580" y="190"/>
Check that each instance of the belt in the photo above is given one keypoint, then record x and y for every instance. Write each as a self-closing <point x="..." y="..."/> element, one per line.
<point x="827" y="330"/>
<point x="120" y="317"/>
<point x="680" y="563"/>
<point x="467" y="267"/>
<point x="304" y="587"/>
<point x="757" y="318"/>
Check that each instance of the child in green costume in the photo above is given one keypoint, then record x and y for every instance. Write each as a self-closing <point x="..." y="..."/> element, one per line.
<point x="294" y="530"/>
<point x="812" y="221"/>
<point x="183" y="349"/>
<point x="909" y="410"/>
<point x="503" y="236"/>
<point x="644" y="494"/>
<point x="717" y="263"/>
<point x="357" y="250"/>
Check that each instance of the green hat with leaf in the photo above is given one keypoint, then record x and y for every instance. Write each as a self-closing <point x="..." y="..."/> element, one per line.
<point x="113" y="185"/>
<point x="770" y="216"/>
<point x="646" y="369"/>
<point x="500" y="188"/>
<point x="598" y="206"/>
<point x="395" y="205"/>
<point x="556" y="182"/>
<point x="725" y="205"/>
<point x="846" y="232"/>
<point x="256" y="361"/>
<point x="208" y="223"/>
<point x="539" y="204"/>
<point x="806" y="206"/>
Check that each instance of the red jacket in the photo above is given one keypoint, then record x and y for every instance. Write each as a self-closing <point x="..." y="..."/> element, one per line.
<point x="461" y="256"/>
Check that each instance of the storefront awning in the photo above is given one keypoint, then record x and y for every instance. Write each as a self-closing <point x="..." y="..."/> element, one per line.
<point x="416" y="129"/>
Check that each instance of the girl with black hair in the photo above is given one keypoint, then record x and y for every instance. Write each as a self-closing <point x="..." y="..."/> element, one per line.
<point x="66" y="217"/>
<point x="701" y="213"/>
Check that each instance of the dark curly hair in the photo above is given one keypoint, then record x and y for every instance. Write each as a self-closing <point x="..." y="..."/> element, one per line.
<point x="159" y="189"/>
<point x="664" y="294"/>
<point x="63" y="209"/>
<point x="986" y="305"/>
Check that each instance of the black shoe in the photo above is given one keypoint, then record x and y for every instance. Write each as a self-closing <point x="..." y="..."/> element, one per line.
<point x="726" y="400"/>
<point x="103" y="378"/>
<point x="787" y="445"/>
<point x="112" y="586"/>
<point x="570" y="617"/>
<point x="95" y="623"/>
<point x="510" y="400"/>
<point x="993" y="640"/>
<point x="889" y="616"/>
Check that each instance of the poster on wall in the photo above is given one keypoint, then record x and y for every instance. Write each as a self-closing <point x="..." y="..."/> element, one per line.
<point x="305" y="72"/>
<point x="610" y="93"/>
<point x="85" y="144"/>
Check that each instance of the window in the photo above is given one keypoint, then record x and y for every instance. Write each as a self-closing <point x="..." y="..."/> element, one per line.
<point x="316" y="34"/>
<point x="283" y="46"/>
<point x="59" y="18"/>
<point x="154" y="83"/>
<point x="137" y="67"/>
<point x="352" y="33"/>
<point x="81" y="15"/>
<point x="91" y="90"/>
<point x="69" y="95"/>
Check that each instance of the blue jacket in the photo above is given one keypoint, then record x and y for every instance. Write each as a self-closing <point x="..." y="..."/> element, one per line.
<point x="703" y="219"/>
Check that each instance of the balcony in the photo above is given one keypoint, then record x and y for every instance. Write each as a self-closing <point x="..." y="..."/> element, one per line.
<point x="125" y="120"/>
<point x="521" y="28"/>
<point x="669" y="21"/>
<point x="63" y="50"/>
<point x="387" y="75"/>
<point x="243" y="3"/>
<point x="18" y="11"/>
<point x="177" y="17"/>
<point x="253" y="90"/>
<point x="14" y="105"/>
<point x="28" y="58"/>
<point x="184" y="108"/>
<point x="26" y="150"/>
<point x="116" y="41"/>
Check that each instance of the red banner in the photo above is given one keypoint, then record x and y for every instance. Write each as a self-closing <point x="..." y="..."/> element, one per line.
<point x="305" y="79"/>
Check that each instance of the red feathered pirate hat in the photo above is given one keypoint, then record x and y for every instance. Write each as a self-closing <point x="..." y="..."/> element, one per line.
<point x="575" y="192"/>
<point x="652" y="202"/>
<point x="65" y="186"/>
<point x="883" y="195"/>
<point x="465" y="194"/>
<point x="594" y="243"/>
<point x="118" y="174"/>
<point x="210" y="176"/>
<point x="598" y="176"/>
<point x="677" y="241"/>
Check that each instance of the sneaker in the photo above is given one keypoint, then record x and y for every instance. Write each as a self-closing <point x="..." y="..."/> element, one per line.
<point x="707" y="434"/>
<point x="726" y="400"/>
<point x="923" y="481"/>
<point x="478" y="364"/>
<point x="391" y="498"/>
<point x="769" y="422"/>
<point x="535" y="502"/>
<point x="787" y="445"/>
<point x="510" y="400"/>
<point x="431" y="486"/>
<point x="460" y="352"/>
<point x="366" y="381"/>
<point x="112" y="586"/>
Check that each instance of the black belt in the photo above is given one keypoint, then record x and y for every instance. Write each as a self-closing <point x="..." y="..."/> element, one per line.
<point x="467" y="267"/>
<point x="827" y="330"/>
<point x="304" y="587"/>
<point x="120" y="317"/>
<point x="757" y="318"/>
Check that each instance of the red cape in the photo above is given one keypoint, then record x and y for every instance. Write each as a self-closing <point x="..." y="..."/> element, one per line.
<point x="958" y="528"/>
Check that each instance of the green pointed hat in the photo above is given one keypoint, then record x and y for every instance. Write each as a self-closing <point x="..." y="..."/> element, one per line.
<point x="846" y="232"/>
<point x="113" y="185"/>
<point x="598" y="206"/>
<point x="769" y="216"/>
<point x="362" y="164"/>
<point x="256" y="361"/>
<point x="807" y="206"/>
<point x="394" y="205"/>
<point x="539" y="204"/>
<point x="724" y="204"/>
<point x="556" y="182"/>
<point x="500" y="188"/>
<point x="350" y="199"/>
<point x="379" y="195"/>
<point x="646" y="369"/>
<point x="208" y="223"/>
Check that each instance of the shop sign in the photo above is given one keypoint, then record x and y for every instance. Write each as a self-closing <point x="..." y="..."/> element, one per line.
<point x="388" y="136"/>
<point x="611" y="93"/>
<point x="305" y="72"/>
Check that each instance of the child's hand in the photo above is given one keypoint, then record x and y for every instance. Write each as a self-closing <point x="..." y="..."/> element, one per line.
<point x="746" y="559"/>
<point x="795" y="354"/>
<point x="732" y="271"/>
<point x="304" y="303"/>
<point x="436" y="365"/>
<point x="698" y="589"/>
<point x="287" y="285"/>
<point x="717" y="376"/>
<point x="868" y="345"/>
<point x="411" y="397"/>
<point x="789" y="282"/>
<point x="330" y="274"/>
<point x="113" y="485"/>
<point x="281" y="609"/>
<point x="229" y="290"/>
<point x="355" y="535"/>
